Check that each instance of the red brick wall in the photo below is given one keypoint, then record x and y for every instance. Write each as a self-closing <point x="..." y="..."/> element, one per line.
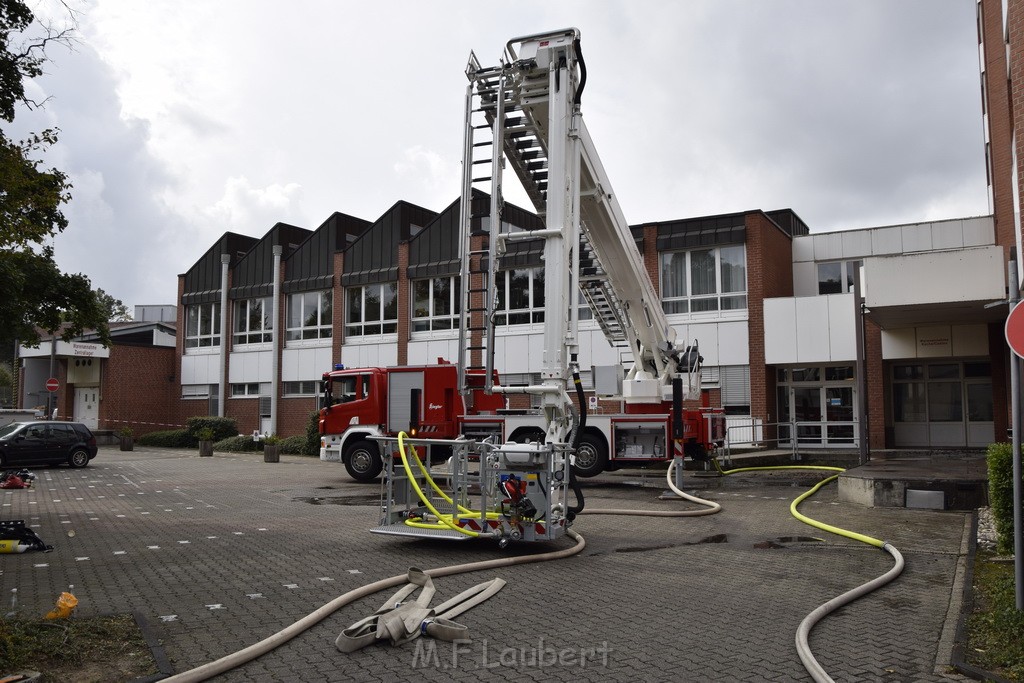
<point x="999" y="357"/>
<point x="245" y="412"/>
<point x="138" y="389"/>
<point x="769" y="274"/>
<point x="880" y="432"/>
<point x="293" y="415"/>
<point x="1000" y="109"/>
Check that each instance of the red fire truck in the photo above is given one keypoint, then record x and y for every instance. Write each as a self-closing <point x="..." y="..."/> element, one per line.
<point x="359" y="403"/>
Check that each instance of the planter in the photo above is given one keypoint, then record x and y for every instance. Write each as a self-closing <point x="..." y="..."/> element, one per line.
<point x="205" y="449"/>
<point x="272" y="453"/>
<point x="127" y="443"/>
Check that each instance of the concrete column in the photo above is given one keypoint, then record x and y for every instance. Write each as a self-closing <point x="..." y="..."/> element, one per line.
<point x="275" y="355"/>
<point x="225" y="335"/>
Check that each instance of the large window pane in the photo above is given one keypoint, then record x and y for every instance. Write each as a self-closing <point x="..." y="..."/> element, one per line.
<point x="734" y="270"/>
<point x="673" y="274"/>
<point x="702" y="272"/>
<point x="830" y="278"/>
<point x="945" y="403"/>
<point x="979" y="402"/>
<point x="908" y="402"/>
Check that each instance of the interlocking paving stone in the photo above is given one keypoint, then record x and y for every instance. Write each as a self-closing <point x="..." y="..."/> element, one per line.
<point x="221" y="552"/>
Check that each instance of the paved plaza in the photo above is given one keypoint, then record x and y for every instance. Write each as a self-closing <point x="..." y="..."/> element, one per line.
<point x="219" y="553"/>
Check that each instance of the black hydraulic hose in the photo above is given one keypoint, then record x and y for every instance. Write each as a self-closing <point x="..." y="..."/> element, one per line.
<point x="575" y="443"/>
<point x="583" y="70"/>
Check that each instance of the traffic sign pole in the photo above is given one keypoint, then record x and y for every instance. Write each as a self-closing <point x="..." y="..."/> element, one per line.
<point x="1018" y="527"/>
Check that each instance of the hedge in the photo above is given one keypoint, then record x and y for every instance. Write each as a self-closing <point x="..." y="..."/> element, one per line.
<point x="1000" y="492"/>
<point x="222" y="427"/>
<point x="238" y="444"/>
<point x="173" y="438"/>
<point x="312" y="446"/>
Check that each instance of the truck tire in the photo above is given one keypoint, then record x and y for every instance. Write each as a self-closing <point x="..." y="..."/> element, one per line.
<point x="362" y="460"/>
<point x="591" y="457"/>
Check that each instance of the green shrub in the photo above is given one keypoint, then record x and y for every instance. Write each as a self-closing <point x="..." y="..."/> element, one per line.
<point x="238" y="444"/>
<point x="294" y="445"/>
<point x="312" y="446"/>
<point x="173" y="438"/>
<point x="1000" y="492"/>
<point x="222" y="427"/>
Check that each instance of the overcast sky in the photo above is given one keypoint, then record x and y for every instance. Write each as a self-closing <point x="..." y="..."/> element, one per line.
<point x="183" y="119"/>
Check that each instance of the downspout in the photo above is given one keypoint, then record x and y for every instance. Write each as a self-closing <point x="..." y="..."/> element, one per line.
<point x="225" y="259"/>
<point x="275" y="326"/>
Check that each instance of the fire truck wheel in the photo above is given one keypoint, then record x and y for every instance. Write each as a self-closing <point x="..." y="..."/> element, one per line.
<point x="591" y="457"/>
<point x="362" y="460"/>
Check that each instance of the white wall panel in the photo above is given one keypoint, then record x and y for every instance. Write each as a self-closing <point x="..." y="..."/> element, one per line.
<point x="970" y="340"/>
<point x="305" y="363"/>
<point x="812" y="329"/>
<point x="369" y="355"/>
<point x="934" y="341"/>
<point x="856" y="244"/>
<point x="978" y="231"/>
<point x="803" y="248"/>
<point x="828" y="246"/>
<point x="805" y="279"/>
<point x="886" y="241"/>
<point x="899" y="343"/>
<point x="948" y="235"/>
<point x="733" y="343"/>
<point x="200" y="369"/>
<point x="842" y="327"/>
<point x="916" y="237"/>
<point x="975" y="274"/>
<point x="249" y="366"/>
<point x="427" y="351"/>
<point x="780" y="330"/>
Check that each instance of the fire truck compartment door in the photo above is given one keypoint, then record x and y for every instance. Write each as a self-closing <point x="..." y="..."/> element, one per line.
<point x="400" y="386"/>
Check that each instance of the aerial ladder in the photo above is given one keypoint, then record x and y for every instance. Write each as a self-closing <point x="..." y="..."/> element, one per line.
<point x="524" y="115"/>
<point x="527" y="111"/>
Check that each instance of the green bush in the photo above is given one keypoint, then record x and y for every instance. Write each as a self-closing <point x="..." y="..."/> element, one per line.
<point x="238" y="444"/>
<point x="294" y="445"/>
<point x="173" y="438"/>
<point x="222" y="427"/>
<point x="312" y="446"/>
<point x="1000" y="492"/>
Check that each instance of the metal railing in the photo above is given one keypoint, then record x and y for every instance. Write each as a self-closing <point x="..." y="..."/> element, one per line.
<point x="788" y="436"/>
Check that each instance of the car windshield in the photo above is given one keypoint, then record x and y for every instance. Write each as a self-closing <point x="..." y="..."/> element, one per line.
<point x="8" y="429"/>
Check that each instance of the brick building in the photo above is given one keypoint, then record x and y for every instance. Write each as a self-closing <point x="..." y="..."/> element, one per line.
<point x="790" y="354"/>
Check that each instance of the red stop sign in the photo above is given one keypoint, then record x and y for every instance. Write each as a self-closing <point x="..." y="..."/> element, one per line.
<point x="52" y="384"/>
<point x="1015" y="329"/>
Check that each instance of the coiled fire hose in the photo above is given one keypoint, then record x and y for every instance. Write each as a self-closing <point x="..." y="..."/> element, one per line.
<point x="818" y="673"/>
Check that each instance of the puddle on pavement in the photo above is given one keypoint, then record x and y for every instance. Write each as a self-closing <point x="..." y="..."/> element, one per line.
<point x="641" y="549"/>
<point x="717" y="538"/>
<point x="772" y="544"/>
<point x="351" y="500"/>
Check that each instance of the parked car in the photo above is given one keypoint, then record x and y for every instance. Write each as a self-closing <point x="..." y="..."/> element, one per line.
<point x="46" y="443"/>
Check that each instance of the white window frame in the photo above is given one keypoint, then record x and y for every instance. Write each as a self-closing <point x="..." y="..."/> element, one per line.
<point x="244" y="331"/>
<point x="846" y="272"/>
<point x="712" y="302"/>
<point x="428" y="319"/>
<point x="195" y="336"/>
<point x="314" y="322"/>
<point x="371" y="326"/>
<point x="534" y="312"/>
<point x="306" y="387"/>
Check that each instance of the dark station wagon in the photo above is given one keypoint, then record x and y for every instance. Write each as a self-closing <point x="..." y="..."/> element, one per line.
<point x="46" y="443"/>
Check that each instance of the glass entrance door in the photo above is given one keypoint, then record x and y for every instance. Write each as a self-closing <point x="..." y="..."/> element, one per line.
<point x="817" y="405"/>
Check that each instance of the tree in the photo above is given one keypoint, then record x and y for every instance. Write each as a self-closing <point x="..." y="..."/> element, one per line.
<point x="114" y="309"/>
<point x="36" y="294"/>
